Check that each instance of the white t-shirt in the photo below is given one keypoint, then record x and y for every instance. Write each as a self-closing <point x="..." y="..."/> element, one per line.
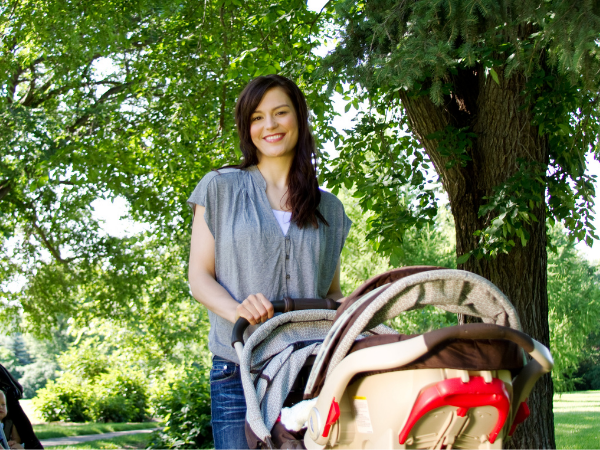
<point x="284" y="218"/>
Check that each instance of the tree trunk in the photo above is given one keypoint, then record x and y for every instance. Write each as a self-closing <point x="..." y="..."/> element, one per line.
<point x="504" y="135"/>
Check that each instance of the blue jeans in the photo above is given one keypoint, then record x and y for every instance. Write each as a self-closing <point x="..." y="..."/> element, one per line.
<point x="228" y="405"/>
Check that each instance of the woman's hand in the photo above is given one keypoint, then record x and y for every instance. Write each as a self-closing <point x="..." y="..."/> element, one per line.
<point x="255" y="309"/>
<point x="14" y="445"/>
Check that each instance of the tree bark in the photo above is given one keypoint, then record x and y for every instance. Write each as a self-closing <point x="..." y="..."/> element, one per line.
<point x="494" y="111"/>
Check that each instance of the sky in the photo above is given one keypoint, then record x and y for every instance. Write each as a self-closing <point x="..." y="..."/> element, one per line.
<point x="111" y="212"/>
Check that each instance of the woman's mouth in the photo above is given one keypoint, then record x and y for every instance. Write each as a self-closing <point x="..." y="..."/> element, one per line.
<point x="274" y="137"/>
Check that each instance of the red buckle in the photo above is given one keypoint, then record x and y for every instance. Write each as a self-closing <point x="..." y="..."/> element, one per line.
<point x="522" y="414"/>
<point x="332" y="417"/>
<point x="453" y="392"/>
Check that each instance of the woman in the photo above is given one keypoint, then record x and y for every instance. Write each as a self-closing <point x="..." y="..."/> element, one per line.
<point x="262" y="231"/>
<point x="9" y="430"/>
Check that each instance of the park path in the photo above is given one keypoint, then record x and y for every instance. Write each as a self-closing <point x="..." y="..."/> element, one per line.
<point x="72" y="440"/>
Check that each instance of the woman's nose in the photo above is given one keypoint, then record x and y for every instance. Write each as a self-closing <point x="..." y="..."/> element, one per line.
<point x="271" y="122"/>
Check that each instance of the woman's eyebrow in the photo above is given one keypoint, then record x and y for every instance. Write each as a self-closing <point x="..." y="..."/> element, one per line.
<point x="277" y="107"/>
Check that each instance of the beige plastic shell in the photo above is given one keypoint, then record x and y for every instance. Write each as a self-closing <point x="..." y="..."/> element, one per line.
<point x="389" y="398"/>
<point x="384" y="401"/>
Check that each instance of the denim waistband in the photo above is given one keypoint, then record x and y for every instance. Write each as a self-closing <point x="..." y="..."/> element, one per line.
<point x="217" y="358"/>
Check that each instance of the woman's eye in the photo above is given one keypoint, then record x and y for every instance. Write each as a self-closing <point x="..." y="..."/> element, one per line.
<point x="254" y="119"/>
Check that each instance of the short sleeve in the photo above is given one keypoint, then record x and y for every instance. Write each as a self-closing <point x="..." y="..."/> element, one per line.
<point x="339" y="223"/>
<point x="347" y="224"/>
<point x="203" y="195"/>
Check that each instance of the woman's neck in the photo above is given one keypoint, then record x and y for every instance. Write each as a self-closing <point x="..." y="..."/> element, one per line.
<point x="275" y="172"/>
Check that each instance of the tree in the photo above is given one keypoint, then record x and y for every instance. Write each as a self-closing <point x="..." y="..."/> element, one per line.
<point x="501" y="96"/>
<point x="130" y="99"/>
<point x="574" y="300"/>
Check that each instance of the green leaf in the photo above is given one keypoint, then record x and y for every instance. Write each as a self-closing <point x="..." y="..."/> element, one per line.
<point x="494" y="75"/>
<point x="464" y="258"/>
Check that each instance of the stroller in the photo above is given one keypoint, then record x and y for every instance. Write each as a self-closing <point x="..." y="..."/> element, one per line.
<point x="349" y="381"/>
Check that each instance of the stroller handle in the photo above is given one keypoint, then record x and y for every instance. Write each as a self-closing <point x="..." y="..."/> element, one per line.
<point x="284" y="306"/>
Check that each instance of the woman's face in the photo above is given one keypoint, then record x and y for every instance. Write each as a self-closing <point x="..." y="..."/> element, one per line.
<point x="274" y="125"/>
<point x="3" y="410"/>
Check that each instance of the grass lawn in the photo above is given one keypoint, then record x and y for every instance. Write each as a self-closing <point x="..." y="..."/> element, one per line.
<point x="59" y="429"/>
<point x="130" y="441"/>
<point x="577" y="420"/>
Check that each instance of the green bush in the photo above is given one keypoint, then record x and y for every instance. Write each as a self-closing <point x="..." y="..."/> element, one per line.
<point x="587" y="377"/>
<point x="119" y="396"/>
<point x="65" y="399"/>
<point x="185" y="405"/>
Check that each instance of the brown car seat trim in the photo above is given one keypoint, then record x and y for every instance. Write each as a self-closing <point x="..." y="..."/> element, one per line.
<point x="479" y="331"/>
<point x="463" y="354"/>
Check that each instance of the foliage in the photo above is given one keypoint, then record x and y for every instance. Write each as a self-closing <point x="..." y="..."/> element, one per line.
<point x="106" y="100"/>
<point x="114" y="396"/>
<point x="120" y="396"/>
<point x="508" y="210"/>
<point x="449" y="51"/>
<point x="185" y="405"/>
<point x="118" y="364"/>
<point x="431" y="245"/>
<point x="34" y="376"/>
<point x="33" y="361"/>
<point x="378" y="164"/>
<point x="66" y="399"/>
<point x="359" y="261"/>
<point x="574" y="301"/>
<point x="453" y="144"/>
<point x="587" y="376"/>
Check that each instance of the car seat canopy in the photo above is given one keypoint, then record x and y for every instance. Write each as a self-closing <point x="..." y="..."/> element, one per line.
<point x="392" y="293"/>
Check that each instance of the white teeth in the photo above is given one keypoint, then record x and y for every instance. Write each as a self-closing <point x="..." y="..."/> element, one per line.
<point x="274" y="137"/>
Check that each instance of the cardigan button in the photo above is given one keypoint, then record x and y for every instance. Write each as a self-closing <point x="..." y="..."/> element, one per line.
<point x="287" y="277"/>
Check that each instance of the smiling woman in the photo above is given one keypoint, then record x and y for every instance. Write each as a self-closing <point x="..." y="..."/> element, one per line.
<point x="262" y="231"/>
<point x="274" y="128"/>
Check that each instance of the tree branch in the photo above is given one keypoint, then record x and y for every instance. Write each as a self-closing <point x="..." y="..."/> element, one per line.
<point x="103" y="99"/>
<point x="44" y="239"/>
<point x="4" y="190"/>
<point x="30" y="93"/>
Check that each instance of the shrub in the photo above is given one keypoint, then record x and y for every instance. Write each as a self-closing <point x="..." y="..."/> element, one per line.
<point x="66" y="399"/>
<point x="35" y="376"/>
<point x="587" y="377"/>
<point x="185" y="405"/>
<point x="119" y="396"/>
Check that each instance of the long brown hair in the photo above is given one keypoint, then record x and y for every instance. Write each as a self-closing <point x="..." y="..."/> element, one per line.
<point x="304" y="195"/>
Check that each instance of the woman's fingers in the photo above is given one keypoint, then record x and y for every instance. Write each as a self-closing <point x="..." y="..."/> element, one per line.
<point x="250" y="311"/>
<point x="256" y="309"/>
<point x="268" y="307"/>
